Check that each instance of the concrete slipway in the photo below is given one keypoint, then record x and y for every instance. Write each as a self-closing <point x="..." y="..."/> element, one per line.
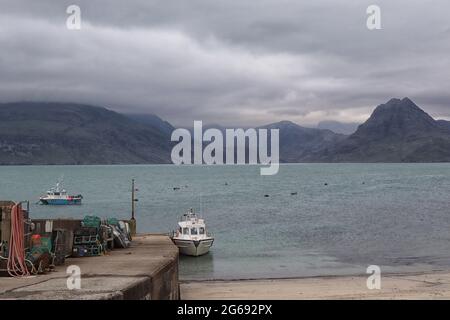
<point x="146" y="270"/>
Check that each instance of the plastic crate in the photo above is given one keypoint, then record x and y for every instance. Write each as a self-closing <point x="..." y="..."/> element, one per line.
<point x="86" y="231"/>
<point x="112" y="221"/>
<point x="78" y="240"/>
<point x="91" y="221"/>
<point x="87" y="250"/>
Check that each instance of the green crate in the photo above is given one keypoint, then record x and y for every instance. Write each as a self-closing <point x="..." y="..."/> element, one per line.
<point x="112" y="221"/>
<point x="86" y="239"/>
<point x="46" y="242"/>
<point x="92" y="221"/>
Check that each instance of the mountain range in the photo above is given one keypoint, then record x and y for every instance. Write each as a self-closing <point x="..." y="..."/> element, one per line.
<point x="66" y="133"/>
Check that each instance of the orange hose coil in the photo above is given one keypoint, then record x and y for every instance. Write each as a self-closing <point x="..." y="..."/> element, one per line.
<point x="16" y="258"/>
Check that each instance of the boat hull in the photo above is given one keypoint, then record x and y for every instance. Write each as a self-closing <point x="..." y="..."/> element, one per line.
<point x="60" y="202"/>
<point x="193" y="248"/>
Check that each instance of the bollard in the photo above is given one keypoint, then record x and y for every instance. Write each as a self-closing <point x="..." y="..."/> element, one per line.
<point x="132" y="223"/>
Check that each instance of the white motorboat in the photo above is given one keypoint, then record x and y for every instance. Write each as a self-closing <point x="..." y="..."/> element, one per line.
<point x="191" y="237"/>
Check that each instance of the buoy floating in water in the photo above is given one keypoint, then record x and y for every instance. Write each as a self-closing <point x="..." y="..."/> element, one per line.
<point x="293" y="193"/>
<point x="266" y="196"/>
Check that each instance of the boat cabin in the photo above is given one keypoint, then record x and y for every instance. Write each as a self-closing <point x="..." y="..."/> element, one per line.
<point x="193" y="231"/>
<point x="191" y="225"/>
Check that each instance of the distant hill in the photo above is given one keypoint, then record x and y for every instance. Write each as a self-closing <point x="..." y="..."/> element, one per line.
<point x="397" y="131"/>
<point x="297" y="143"/>
<point x="62" y="133"/>
<point x="300" y="144"/>
<point x="339" y="127"/>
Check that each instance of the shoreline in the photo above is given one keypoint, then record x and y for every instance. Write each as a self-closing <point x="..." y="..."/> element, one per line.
<point x="326" y="276"/>
<point x="408" y="285"/>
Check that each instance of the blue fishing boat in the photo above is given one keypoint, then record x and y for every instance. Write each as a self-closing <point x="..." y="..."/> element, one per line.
<point x="59" y="196"/>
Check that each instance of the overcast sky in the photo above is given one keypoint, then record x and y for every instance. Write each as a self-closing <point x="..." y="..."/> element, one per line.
<point x="240" y="62"/>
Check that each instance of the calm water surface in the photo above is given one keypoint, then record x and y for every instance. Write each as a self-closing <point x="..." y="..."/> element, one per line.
<point x="393" y="215"/>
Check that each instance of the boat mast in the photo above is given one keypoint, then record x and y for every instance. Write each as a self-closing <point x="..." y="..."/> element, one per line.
<point x="201" y="205"/>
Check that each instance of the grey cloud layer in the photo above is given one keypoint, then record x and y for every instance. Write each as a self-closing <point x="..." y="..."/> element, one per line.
<point x="230" y="62"/>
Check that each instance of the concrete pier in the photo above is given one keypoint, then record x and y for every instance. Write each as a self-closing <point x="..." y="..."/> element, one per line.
<point x="147" y="270"/>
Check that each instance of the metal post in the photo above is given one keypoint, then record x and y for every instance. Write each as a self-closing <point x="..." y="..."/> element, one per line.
<point x="133" y="200"/>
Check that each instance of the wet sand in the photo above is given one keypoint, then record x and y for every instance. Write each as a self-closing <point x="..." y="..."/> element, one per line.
<point x="430" y="285"/>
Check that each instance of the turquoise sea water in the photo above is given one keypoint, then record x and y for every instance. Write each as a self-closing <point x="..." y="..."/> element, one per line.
<point x="396" y="216"/>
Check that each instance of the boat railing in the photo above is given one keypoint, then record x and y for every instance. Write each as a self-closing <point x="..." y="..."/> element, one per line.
<point x="189" y="216"/>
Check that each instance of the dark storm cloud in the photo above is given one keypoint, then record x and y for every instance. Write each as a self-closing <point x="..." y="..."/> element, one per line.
<point x="230" y="62"/>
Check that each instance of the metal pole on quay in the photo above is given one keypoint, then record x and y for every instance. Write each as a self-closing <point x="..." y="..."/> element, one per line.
<point x="133" y="200"/>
